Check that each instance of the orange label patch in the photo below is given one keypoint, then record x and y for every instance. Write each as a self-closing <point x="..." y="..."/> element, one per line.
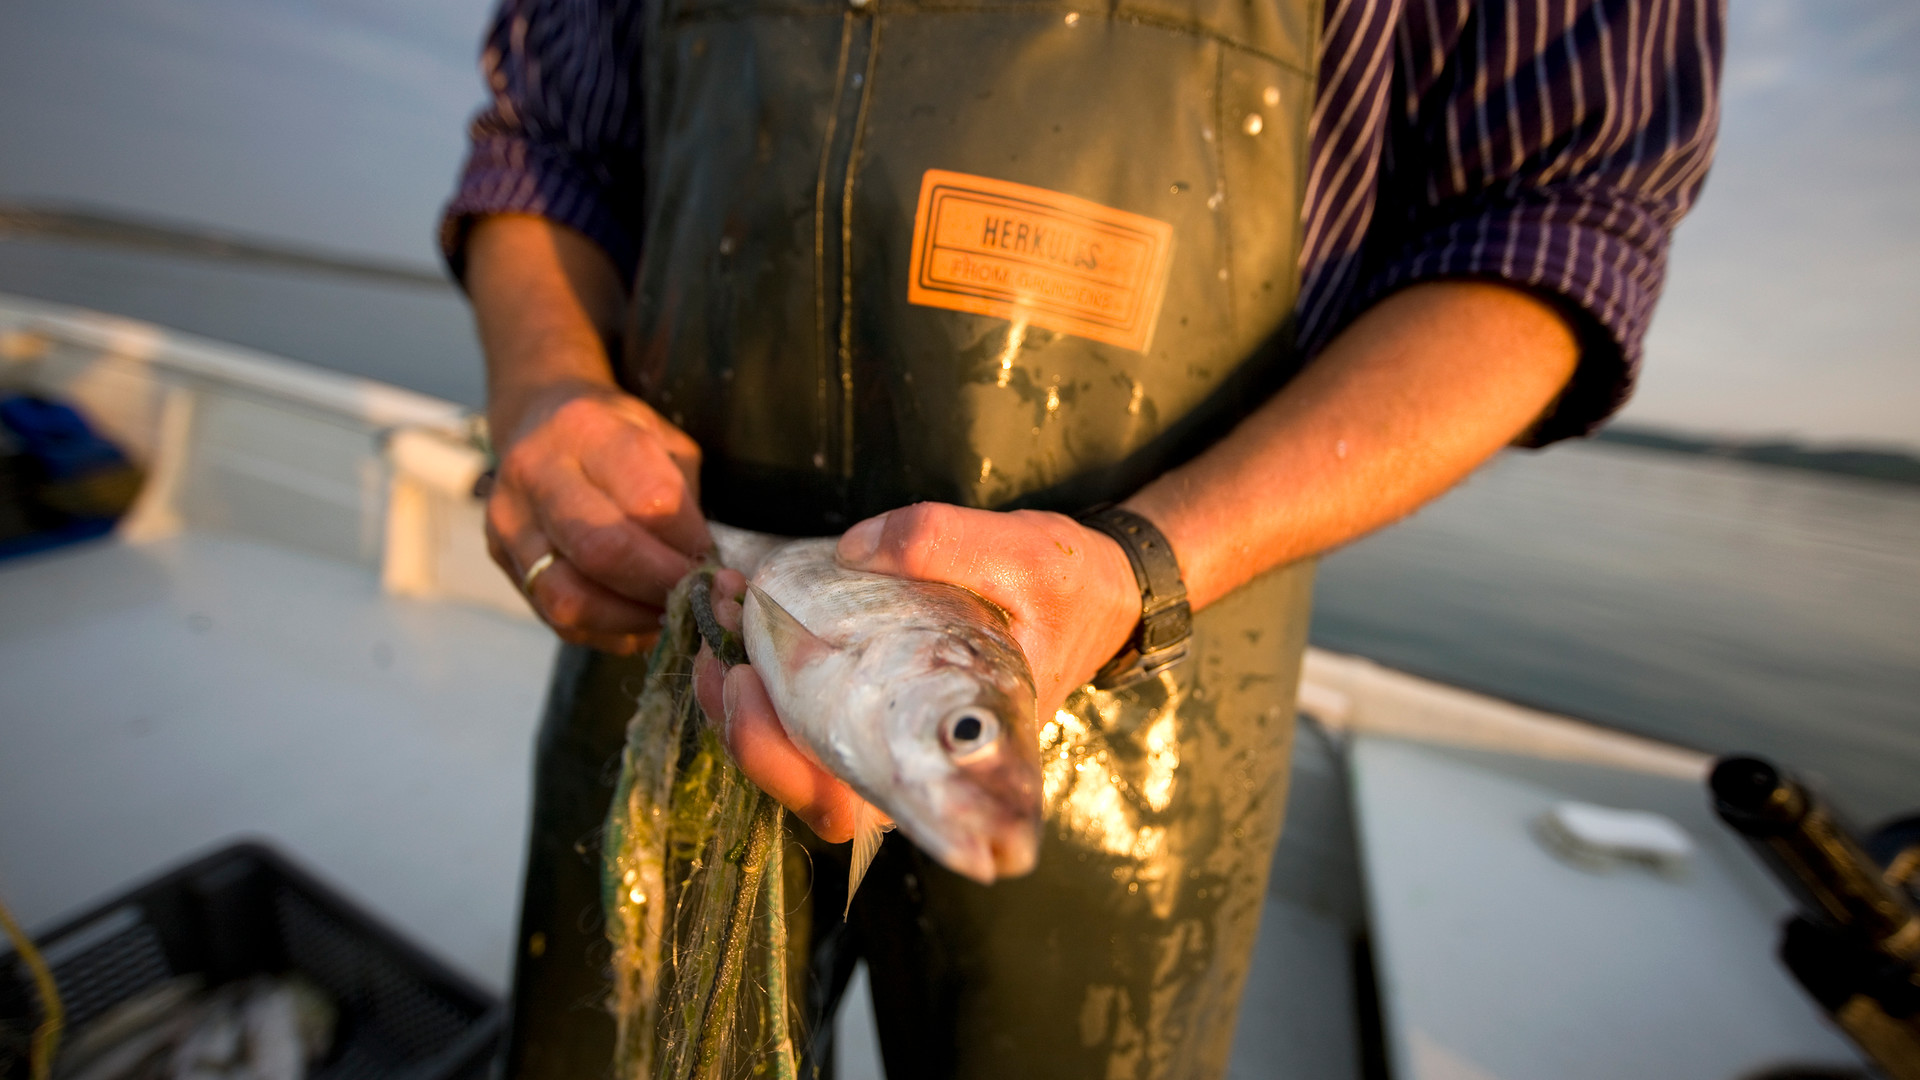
<point x="1016" y="252"/>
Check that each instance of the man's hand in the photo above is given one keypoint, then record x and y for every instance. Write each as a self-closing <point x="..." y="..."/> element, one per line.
<point x="1069" y="593"/>
<point x="597" y="479"/>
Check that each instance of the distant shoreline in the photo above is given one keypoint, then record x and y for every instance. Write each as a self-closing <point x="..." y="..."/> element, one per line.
<point x="1871" y="463"/>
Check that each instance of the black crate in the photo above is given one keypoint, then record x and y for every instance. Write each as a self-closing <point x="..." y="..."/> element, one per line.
<point x="245" y="910"/>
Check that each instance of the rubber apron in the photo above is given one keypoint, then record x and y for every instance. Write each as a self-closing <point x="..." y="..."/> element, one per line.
<point x="1003" y="255"/>
<point x="790" y="145"/>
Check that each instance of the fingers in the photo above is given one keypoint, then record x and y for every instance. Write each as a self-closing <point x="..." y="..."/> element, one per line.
<point x="572" y="601"/>
<point x="647" y="484"/>
<point x="708" y="673"/>
<point x="581" y="610"/>
<point x="729" y="587"/>
<point x="609" y="489"/>
<point x="604" y="544"/>
<point x="617" y="644"/>
<point x="760" y="747"/>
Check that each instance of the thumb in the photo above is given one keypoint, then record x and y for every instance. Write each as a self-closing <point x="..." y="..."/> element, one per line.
<point x="860" y="545"/>
<point x="975" y="549"/>
<point x="1012" y="559"/>
<point x="1015" y="559"/>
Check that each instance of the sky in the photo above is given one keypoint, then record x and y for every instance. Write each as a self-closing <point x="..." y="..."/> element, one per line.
<point x="1793" y="296"/>
<point x="1793" y="299"/>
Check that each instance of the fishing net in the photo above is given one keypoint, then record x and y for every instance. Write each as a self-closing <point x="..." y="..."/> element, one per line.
<point x="694" y="890"/>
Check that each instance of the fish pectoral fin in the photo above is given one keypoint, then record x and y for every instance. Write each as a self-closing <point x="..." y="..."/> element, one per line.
<point x="794" y="645"/>
<point x="869" y="826"/>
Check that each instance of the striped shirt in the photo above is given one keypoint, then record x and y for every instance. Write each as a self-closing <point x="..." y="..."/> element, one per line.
<point x="1551" y="144"/>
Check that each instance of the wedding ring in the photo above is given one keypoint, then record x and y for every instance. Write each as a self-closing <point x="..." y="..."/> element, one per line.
<point x="539" y="567"/>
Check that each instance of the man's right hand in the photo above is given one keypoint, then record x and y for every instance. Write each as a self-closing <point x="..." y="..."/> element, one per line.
<point x="606" y="486"/>
<point x="595" y="510"/>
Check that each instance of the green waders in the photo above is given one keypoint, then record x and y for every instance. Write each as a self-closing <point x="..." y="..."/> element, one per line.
<point x="1000" y="253"/>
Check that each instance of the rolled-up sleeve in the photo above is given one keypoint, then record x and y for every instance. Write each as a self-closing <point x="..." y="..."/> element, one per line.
<point x="562" y="135"/>
<point x="1549" y="144"/>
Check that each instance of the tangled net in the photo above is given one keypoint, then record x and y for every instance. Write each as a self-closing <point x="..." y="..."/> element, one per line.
<point x="694" y="891"/>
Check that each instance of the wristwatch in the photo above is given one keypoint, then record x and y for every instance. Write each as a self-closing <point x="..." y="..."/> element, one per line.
<point x="1166" y="621"/>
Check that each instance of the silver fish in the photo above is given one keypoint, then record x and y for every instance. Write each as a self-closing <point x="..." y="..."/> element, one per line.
<point x="914" y="694"/>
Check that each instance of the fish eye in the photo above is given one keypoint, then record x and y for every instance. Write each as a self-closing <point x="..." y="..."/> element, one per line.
<point x="968" y="733"/>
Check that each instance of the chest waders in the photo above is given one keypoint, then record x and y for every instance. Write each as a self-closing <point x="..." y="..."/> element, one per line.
<point x="1003" y="254"/>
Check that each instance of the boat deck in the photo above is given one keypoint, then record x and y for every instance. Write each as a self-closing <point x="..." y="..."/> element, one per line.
<point x="164" y="697"/>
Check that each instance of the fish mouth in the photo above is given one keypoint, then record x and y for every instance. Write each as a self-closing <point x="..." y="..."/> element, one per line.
<point x="1015" y="850"/>
<point x="1009" y="850"/>
<point x="1006" y="842"/>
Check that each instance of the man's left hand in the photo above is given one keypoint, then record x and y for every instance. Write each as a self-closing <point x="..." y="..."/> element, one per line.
<point x="1068" y="590"/>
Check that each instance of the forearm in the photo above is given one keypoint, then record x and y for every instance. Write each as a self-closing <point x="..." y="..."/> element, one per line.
<point x="1401" y="406"/>
<point x="546" y="301"/>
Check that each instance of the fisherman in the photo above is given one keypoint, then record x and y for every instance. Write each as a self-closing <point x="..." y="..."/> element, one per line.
<point x="949" y="279"/>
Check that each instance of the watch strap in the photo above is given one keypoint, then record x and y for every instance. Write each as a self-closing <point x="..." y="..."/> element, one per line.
<point x="1166" y="620"/>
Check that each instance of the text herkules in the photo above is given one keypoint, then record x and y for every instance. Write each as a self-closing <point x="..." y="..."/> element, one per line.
<point x="1051" y="243"/>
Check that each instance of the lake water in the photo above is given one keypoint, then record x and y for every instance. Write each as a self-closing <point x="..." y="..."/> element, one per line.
<point x="417" y="336"/>
<point x="1711" y="603"/>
